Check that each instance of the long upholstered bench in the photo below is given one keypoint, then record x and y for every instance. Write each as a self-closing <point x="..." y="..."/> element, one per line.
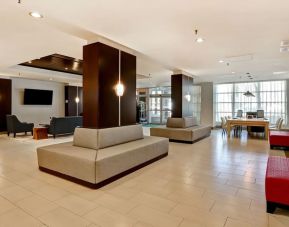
<point x="99" y="156"/>
<point x="183" y="129"/>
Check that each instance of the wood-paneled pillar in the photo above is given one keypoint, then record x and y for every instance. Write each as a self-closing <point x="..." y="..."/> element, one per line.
<point x="5" y="102"/>
<point x="100" y="75"/>
<point x="182" y="90"/>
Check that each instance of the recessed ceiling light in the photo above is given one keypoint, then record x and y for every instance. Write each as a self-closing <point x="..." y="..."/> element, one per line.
<point x="233" y="72"/>
<point x="221" y="61"/>
<point x="50" y="79"/>
<point x="280" y="73"/>
<point x="200" y="40"/>
<point x="284" y="43"/>
<point x="36" y="14"/>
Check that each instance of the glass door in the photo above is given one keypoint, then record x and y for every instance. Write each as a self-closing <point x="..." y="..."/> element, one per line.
<point x="155" y="110"/>
<point x="166" y="108"/>
<point x="160" y="105"/>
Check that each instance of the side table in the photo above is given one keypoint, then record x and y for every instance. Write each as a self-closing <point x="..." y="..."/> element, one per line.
<point x="40" y="133"/>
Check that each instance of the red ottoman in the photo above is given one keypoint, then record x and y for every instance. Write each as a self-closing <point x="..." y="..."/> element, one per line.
<point x="279" y="139"/>
<point x="277" y="183"/>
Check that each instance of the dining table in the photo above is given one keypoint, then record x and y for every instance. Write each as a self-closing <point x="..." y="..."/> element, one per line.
<point x="259" y="122"/>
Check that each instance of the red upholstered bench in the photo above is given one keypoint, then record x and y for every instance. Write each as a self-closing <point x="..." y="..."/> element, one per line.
<point x="277" y="183"/>
<point x="279" y="139"/>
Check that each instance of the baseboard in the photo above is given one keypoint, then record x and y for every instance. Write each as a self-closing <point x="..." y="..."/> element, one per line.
<point x="189" y="142"/>
<point x="105" y="182"/>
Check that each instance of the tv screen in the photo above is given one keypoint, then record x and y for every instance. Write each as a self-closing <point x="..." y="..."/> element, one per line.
<point x="37" y="97"/>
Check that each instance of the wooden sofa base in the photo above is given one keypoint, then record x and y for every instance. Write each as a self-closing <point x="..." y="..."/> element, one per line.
<point x="189" y="142"/>
<point x="104" y="182"/>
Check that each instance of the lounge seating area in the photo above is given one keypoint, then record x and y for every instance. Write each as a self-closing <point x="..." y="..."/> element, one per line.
<point x="57" y="126"/>
<point x="184" y="129"/>
<point x="144" y="114"/>
<point x="99" y="156"/>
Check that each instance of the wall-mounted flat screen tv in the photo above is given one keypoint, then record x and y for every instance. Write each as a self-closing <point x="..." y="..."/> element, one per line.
<point x="37" y="97"/>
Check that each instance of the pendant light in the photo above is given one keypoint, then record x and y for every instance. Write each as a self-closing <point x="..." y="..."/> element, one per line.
<point x="119" y="87"/>
<point x="249" y="94"/>
<point x="77" y="100"/>
<point x="199" y="39"/>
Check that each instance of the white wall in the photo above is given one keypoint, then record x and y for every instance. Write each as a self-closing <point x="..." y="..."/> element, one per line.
<point x="207" y="105"/>
<point x="37" y="113"/>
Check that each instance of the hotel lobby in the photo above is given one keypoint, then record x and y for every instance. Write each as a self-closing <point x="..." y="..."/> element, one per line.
<point x="144" y="114"/>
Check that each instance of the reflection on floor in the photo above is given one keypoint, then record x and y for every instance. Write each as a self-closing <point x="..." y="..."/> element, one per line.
<point x="213" y="182"/>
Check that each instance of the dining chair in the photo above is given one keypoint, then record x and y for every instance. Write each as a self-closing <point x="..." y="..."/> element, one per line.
<point x="275" y="126"/>
<point x="239" y="114"/>
<point x="279" y="127"/>
<point x="224" y="126"/>
<point x="260" y="114"/>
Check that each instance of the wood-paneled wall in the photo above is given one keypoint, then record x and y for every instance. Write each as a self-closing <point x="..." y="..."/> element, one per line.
<point x="5" y="102"/>
<point x="71" y="107"/>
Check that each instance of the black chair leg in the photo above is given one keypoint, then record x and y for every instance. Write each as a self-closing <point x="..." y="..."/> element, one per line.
<point x="14" y="135"/>
<point x="25" y="133"/>
<point x="271" y="207"/>
<point x="8" y="133"/>
<point x="54" y="136"/>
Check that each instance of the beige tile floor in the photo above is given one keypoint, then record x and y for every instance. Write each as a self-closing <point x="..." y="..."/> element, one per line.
<point x="214" y="182"/>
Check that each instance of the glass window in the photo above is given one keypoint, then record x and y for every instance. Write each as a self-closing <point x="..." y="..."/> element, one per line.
<point x="224" y="100"/>
<point x="270" y="96"/>
<point x="196" y="102"/>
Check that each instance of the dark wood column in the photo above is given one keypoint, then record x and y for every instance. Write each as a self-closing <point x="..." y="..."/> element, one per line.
<point x="5" y="102"/>
<point x="128" y="78"/>
<point x="100" y="75"/>
<point x="182" y="86"/>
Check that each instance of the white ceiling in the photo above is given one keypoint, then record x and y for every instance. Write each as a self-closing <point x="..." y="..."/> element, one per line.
<point x="162" y="30"/>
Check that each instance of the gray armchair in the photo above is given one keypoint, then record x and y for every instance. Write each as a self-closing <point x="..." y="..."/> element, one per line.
<point x="15" y="126"/>
<point x="64" y="125"/>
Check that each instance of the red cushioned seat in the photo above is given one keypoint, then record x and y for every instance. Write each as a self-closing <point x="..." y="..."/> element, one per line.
<point x="277" y="182"/>
<point x="279" y="138"/>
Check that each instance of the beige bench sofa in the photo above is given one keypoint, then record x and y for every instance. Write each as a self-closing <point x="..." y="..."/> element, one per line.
<point x="183" y="129"/>
<point x="99" y="156"/>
